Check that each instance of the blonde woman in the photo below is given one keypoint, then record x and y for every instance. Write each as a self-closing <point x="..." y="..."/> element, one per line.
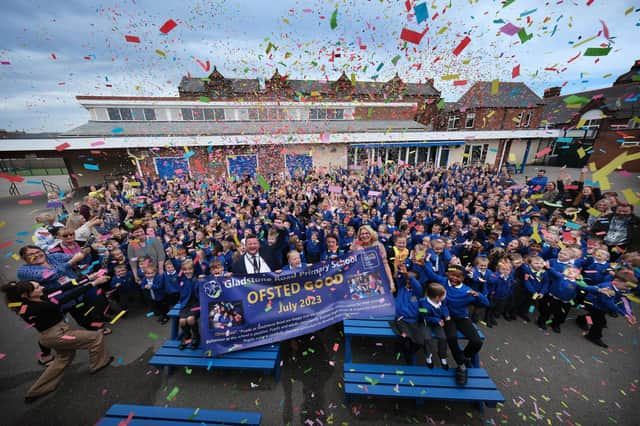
<point x="366" y="237"/>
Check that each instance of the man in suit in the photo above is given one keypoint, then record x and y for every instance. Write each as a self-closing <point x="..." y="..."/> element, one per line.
<point x="256" y="259"/>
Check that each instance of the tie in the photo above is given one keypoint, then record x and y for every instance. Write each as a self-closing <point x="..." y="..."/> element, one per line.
<point x="256" y="266"/>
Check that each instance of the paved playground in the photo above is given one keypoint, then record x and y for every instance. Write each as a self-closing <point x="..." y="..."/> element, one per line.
<point x="546" y="378"/>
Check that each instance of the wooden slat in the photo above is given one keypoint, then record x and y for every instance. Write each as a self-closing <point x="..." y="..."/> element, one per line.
<point x="174" y="413"/>
<point x="408" y="391"/>
<point x="214" y="362"/>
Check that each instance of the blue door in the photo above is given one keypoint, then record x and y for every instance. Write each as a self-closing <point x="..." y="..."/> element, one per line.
<point x="170" y="167"/>
<point x="300" y="162"/>
<point x="242" y="165"/>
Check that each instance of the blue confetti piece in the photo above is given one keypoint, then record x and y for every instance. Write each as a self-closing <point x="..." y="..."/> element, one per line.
<point x="117" y="130"/>
<point x="93" y="167"/>
<point x="120" y="360"/>
<point x="150" y="314"/>
<point x="188" y="155"/>
<point x="422" y="13"/>
<point x="565" y="357"/>
<point x="22" y="233"/>
<point x="34" y="182"/>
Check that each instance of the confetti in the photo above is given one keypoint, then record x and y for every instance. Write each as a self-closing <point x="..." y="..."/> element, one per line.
<point x="464" y="43"/>
<point x="173" y="393"/>
<point x="412" y="36"/>
<point x="63" y="146"/>
<point x="510" y="29"/>
<point x="132" y="39"/>
<point x="597" y="51"/>
<point x="334" y="19"/>
<point x="168" y="26"/>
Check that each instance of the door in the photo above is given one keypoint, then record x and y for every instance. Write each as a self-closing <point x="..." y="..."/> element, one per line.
<point x="170" y="167"/>
<point x="242" y="165"/>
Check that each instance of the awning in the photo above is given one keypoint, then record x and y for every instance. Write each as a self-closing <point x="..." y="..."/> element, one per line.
<point x="407" y="144"/>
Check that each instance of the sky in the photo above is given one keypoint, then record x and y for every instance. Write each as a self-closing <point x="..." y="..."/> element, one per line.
<point x="52" y="51"/>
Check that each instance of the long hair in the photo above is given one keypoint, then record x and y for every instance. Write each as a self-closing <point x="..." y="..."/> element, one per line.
<point x="14" y="291"/>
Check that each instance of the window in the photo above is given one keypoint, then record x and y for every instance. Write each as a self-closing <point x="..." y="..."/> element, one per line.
<point x="253" y="114"/>
<point x="317" y="114"/>
<point x="131" y="114"/>
<point x="527" y="121"/>
<point x="214" y="114"/>
<point x="149" y="114"/>
<point x="335" y="114"/>
<point x="126" y="114"/>
<point x="187" y="114"/>
<point x="634" y="123"/>
<point x="475" y="154"/>
<point x="454" y="122"/>
<point x="114" y="114"/>
<point x="524" y="119"/>
<point x="470" y="120"/>
<point x="138" y="114"/>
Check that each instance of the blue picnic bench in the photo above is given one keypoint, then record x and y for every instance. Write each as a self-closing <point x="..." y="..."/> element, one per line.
<point x="419" y="383"/>
<point x="263" y="358"/>
<point x="145" y="415"/>
<point x="379" y="328"/>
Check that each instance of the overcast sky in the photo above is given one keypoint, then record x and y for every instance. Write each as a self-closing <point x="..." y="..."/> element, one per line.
<point x="52" y="51"/>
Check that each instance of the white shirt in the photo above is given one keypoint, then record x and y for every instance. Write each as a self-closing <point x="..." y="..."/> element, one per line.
<point x="262" y="265"/>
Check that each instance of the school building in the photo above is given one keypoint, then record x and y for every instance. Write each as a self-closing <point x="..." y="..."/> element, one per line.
<point x="222" y="126"/>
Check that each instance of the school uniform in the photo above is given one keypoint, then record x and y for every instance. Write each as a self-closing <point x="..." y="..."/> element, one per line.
<point x="154" y="290"/>
<point x="433" y="313"/>
<point x="172" y="287"/>
<point x="595" y="273"/>
<point x="557" y="301"/>
<point x="598" y="305"/>
<point x="498" y="291"/>
<point x="408" y="324"/>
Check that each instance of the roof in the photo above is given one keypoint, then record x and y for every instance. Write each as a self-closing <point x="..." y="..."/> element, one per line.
<point x="509" y="95"/>
<point x="620" y="102"/>
<point x="238" y="85"/>
<point x="184" y="128"/>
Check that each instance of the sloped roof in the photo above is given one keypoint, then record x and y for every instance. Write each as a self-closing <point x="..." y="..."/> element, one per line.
<point x="509" y="95"/>
<point x="194" y="128"/>
<point x="238" y="85"/>
<point x="620" y="102"/>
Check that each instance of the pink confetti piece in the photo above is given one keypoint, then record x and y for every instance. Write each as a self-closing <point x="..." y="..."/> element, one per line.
<point x="67" y="337"/>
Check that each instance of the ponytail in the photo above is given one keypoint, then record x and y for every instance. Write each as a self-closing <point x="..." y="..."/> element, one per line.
<point x="14" y="291"/>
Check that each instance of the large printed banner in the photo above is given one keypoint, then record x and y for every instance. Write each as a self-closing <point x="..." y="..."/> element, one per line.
<point x="245" y="311"/>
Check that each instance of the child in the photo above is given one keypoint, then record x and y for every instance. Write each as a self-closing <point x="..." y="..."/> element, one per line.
<point x="563" y="260"/>
<point x="171" y="283"/>
<point x="122" y="288"/>
<point x="438" y="256"/>
<point x="535" y="284"/>
<point x="459" y="297"/>
<point x="498" y="288"/>
<point x="153" y="284"/>
<point x="607" y="297"/>
<point x="434" y="309"/>
<point x="189" y="306"/>
<point x="597" y="269"/>
<point x="562" y="290"/>
<point x="407" y="326"/>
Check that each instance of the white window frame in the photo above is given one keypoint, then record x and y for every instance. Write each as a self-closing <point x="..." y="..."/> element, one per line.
<point x="455" y="120"/>
<point x="470" y="116"/>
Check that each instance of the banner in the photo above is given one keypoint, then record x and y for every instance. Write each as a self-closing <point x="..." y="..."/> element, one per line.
<point x="244" y="311"/>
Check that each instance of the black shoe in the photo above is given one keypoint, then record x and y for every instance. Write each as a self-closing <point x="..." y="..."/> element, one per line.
<point x="467" y="362"/>
<point x="195" y="343"/>
<point x="163" y="320"/>
<point x="493" y="321"/>
<point x="102" y="367"/>
<point x="429" y="363"/>
<point x="598" y="342"/>
<point x="184" y="343"/>
<point x="542" y="324"/>
<point x="582" y="323"/>
<point x="461" y="375"/>
<point x="507" y="317"/>
<point x="443" y="365"/>
<point x="556" y="328"/>
<point x="32" y="399"/>
<point x="489" y="324"/>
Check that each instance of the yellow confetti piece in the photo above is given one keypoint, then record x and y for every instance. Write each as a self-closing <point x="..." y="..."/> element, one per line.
<point x="495" y="85"/>
<point x="593" y="212"/>
<point x="15" y="304"/>
<point x="443" y="29"/>
<point x="2" y="224"/>
<point x="592" y="167"/>
<point x="512" y="157"/>
<point x="490" y="114"/>
<point x="450" y="77"/>
<point x="15" y="256"/>
<point x="630" y="196"/>
<point x="581" y="152"/>
<point x="117" y="317"/>
<point x="161" y="53"/>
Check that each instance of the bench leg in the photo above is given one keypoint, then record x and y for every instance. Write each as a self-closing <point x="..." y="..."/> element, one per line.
<point x="475" y="361"/>
<point x="480" y="407"/>
<point x="174" y="328"/>
<point x="347" y="348"/>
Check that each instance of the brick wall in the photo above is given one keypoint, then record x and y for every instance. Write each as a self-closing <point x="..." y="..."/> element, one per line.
<point x="385" y="113"/>
<point x="487" y="118"/>
<point x="607" y="147"/>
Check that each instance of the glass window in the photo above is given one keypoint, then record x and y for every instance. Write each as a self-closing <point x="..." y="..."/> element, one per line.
<point x="527" y="120"/>
<point x="209" y="114"/>
<point x="454" y="122"/>
<point x="219" y="114"/>
<point x="126" y="114"/>
<point x="520" y="120"/>
<point x="186" y="114"/>
<point x="149" y="114"/>
<point x="198" y="114"/>
<point x="137" y="114"/>
<point x="254" y="114"/>
<point x="339" y="113"/>
<point x="470" y="120"/>
<point x="114" y="114"/>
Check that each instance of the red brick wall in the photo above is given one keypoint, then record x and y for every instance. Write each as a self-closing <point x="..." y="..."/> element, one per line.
<point x="501" y="119"/>
<point x="607" y="147"/>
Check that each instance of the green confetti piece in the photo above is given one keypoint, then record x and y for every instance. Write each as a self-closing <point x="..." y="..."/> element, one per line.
<point x="524" y="37"/>
<point x="334" y="19"/>
<point x="153" y="336"/>
<point x="173" y="393"/>
<point x="188" y="370"/>
<point x="597" y="51"/>
<point x="440" y="104"/>
<point x="308" y="370"/>
<point x="205" y="99"/>
<point x="263" y="183"/>
<point x="395" y="59"/>
<point x="195" y="413"/>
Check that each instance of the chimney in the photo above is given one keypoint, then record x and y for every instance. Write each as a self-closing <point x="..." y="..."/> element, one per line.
<point x="551" y="92"/>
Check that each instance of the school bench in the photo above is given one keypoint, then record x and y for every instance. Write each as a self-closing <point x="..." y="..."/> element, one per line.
<point x="263" y="358"/>
<point x="379" y="328"/>
<point x="419" y="383"/>
<point x="145" y="415"/>
<point x="174" y="314"/>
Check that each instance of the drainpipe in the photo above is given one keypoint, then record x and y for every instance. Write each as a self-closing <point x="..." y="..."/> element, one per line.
<point x="137" y="162"/>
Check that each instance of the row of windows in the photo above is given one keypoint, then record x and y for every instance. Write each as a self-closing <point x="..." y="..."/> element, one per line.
<point x="219" y="114"/>
<point x="132" y="114"/>
<point x="523" y="120"/>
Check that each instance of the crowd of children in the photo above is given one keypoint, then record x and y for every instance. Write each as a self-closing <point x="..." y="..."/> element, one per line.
<point x="464" y="244"/>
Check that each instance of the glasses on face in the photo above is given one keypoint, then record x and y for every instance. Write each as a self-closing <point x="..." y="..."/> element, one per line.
<point x="33" y="254"/>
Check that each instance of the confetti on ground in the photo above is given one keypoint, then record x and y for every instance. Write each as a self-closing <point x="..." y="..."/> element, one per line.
<point x="173" y="393"/>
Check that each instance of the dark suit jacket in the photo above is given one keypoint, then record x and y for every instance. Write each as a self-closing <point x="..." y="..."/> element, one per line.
<point x="268" y="254"/>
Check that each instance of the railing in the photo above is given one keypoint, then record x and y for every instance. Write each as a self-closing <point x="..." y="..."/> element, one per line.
<point x="582" y="133"/>
<point x="50" y="187"/>
<point x="13" y="189"/>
